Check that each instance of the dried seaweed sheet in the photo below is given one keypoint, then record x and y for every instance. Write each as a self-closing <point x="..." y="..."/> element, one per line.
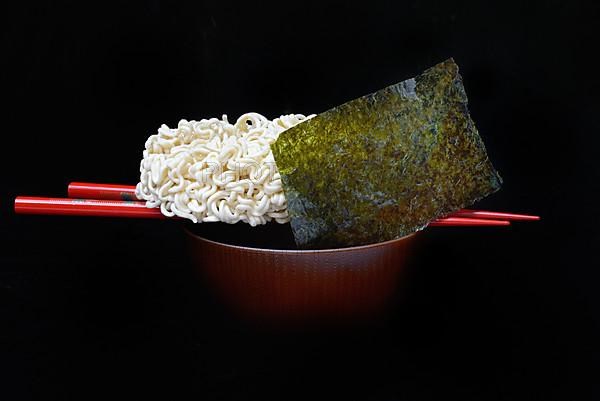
<point x="384" y="165"/>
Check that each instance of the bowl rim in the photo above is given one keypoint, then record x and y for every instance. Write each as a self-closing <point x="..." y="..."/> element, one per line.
<point x="301" y="251"/>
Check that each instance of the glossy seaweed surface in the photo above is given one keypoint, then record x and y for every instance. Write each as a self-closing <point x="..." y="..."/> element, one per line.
<point x="384" y="165"/>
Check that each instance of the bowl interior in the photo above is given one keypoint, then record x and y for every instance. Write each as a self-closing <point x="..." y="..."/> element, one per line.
<point x="268" y="236"/>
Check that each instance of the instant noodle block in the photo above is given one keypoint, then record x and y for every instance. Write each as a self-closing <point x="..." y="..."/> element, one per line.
<point x="384" y="165"/>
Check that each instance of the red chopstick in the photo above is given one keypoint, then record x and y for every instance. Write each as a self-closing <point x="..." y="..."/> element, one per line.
<point x="482" y="214"/>
<point x="466" y="222"/>
<point x="134" y="209"/>
<point x="84" y="207"/>
<point x="89" y="190"/>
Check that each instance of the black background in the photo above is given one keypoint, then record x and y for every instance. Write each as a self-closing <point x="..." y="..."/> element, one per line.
<point x="110" y="308"/>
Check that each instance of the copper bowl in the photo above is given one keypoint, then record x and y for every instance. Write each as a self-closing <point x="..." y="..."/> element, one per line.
<point x="300" y="285"/>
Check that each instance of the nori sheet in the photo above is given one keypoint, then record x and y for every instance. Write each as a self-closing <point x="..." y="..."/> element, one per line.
<point x="384" y="165"/>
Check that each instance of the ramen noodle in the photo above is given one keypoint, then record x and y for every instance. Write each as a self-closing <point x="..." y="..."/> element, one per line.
<point x="211" y="170"/>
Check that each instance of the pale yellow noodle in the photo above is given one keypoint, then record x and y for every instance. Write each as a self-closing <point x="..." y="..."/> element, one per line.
<point x="212" y="170"/>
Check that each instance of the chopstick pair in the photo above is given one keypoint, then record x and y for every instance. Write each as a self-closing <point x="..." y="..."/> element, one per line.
<point x="465" y="216"/>
<point x="112" y="200"/>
